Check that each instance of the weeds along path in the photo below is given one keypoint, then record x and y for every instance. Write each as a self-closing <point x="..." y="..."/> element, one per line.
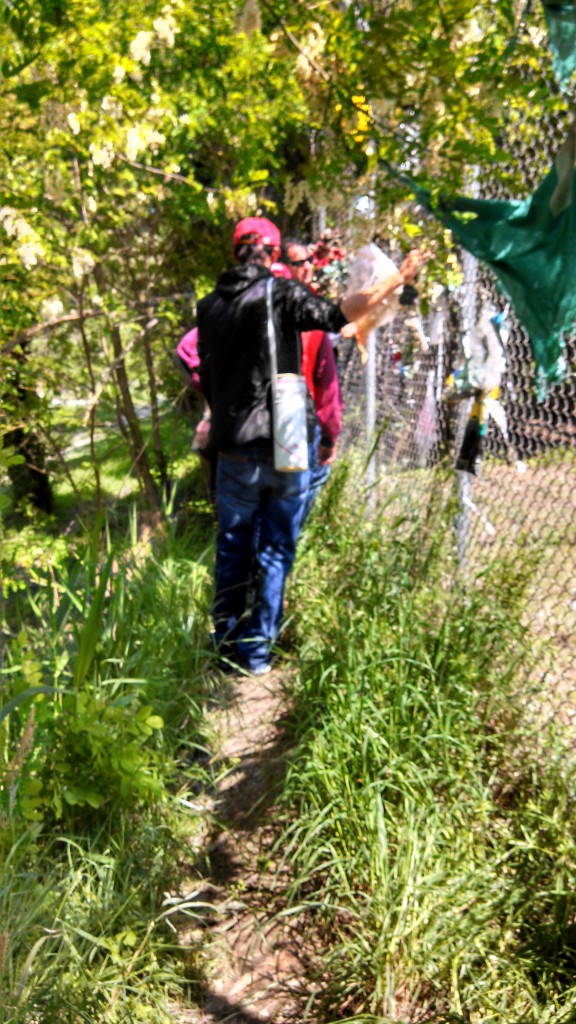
<point x="255" y="960"/>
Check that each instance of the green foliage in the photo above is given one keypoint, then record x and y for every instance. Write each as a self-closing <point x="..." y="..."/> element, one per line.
<point x="426" y="811"/>
<point x="135" y="136"/>
<point x="26" y="555"/>
<point x="99" y="752"/>
<point x="94" y="735"/>
<point x="87" y="928"/>
<point x="101" y="740"/>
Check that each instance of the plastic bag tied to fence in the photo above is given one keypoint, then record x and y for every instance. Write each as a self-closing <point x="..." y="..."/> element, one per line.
<point x="561" y="23"/>
<point x="480" y="376"/>
<point x="483" y="360"/>
<point x="368" y="267"/>
<point x="531" y="246"/>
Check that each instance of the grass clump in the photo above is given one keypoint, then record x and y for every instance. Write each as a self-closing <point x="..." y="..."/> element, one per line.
<point x="102" y="745"/>
<point x="429" y="825"/>
<point x="88" y="924"/>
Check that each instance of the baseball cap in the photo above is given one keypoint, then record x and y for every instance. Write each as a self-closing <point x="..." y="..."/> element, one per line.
<point x="265" y="231"/>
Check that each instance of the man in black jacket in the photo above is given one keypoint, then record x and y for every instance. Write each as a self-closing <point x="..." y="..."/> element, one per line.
<point x="259" y="509"/>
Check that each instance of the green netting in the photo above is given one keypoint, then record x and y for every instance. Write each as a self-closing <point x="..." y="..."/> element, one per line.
<point x="531" y="246"/>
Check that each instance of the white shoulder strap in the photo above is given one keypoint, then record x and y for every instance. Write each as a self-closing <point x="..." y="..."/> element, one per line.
<point x="271" y="331"/>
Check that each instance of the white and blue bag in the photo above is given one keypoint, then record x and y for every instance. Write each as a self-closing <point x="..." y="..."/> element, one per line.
<point x="289" y="400"/>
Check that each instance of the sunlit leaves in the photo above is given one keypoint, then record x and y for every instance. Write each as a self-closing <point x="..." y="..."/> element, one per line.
<point x="134" y="134"/>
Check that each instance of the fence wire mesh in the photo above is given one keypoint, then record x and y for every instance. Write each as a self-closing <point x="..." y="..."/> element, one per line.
<point x="521" y="503"/>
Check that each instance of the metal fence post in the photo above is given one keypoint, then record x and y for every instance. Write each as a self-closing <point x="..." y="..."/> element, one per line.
<point x="468" y="299"/>
<point x="370" y="378"/>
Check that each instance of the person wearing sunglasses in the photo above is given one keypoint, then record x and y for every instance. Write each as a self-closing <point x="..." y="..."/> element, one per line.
<point x="298" y="260"/>
<point x="319" y="369"/>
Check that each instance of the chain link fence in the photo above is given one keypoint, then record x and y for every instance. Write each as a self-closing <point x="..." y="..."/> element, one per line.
<point x="520" y="506"/>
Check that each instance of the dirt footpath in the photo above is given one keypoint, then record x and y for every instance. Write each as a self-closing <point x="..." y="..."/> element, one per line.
<point x="255" y="958"/>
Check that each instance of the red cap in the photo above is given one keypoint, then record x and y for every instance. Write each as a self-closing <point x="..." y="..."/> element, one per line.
<point x="258" y="229"/>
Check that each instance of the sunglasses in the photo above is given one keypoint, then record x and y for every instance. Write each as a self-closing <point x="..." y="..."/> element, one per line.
<point x="300" y="263"/>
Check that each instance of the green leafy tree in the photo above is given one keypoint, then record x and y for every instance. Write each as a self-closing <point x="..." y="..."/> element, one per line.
<point x="135" y="135"/>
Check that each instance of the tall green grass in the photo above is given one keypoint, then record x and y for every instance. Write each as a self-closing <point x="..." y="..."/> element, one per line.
<point x="102" y="744"/>
<point x="89" y="927"/>
<point x="429" y="827"/>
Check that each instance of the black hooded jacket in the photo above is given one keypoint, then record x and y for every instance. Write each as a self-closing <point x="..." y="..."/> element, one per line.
<point x="233" y="348"/>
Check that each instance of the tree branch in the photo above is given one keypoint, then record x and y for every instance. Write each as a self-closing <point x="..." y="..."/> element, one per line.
<point x="74" y="318"/>
<point x="99" y="388"/>
<point x="48" y="325"/>
<point x="280" y="21"/>
<point x="162" y="174"/>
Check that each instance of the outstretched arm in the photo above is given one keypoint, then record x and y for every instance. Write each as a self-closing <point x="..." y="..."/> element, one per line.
<point x="359" y="304"/>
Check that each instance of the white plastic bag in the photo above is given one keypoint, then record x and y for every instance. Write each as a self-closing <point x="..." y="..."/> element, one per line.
<point x="486" y="360"/>
<point x="289" y="422"/>
<point x="368" y="267"/>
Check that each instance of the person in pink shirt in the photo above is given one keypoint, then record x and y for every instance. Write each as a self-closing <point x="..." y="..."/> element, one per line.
<point x="187" y="352"/>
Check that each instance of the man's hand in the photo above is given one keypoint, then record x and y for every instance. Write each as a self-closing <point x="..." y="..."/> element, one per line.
<point x="411" y="265"/>
<point x="349" y="330"/>
<point x="326" y="454"/>
<point x="364" y="303"/>
<point x="201" y="434"/>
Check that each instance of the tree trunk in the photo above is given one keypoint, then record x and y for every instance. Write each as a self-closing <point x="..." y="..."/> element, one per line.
<point x="156" y="439"/>
<point x="130" y="428"/>
<point x="92" y="420"/>
<point x="137" y="444"/>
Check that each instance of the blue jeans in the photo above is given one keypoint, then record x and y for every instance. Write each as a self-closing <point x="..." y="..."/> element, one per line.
<point x="260" y="513"/>
<point x="318" y="473"/>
